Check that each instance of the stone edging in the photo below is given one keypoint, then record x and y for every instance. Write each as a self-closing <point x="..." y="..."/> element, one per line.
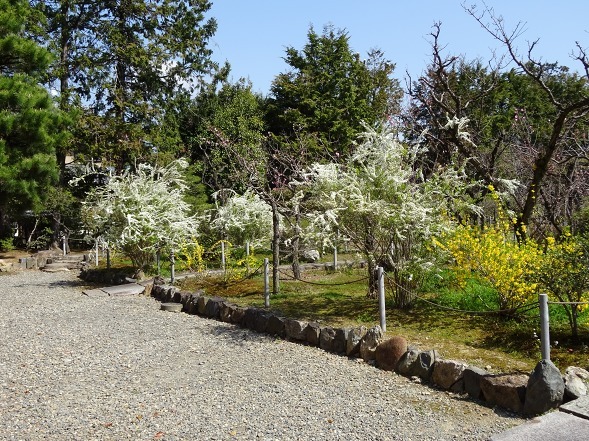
<point x="530" y="395"/>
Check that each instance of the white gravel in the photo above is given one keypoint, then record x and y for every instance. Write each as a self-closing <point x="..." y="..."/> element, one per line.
<point x="80" y="368"/>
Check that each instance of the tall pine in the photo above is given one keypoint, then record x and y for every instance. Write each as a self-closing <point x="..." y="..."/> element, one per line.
<point x="29" y="121"/>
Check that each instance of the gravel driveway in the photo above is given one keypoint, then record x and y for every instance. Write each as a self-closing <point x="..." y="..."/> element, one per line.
<point x="79" y="368"/>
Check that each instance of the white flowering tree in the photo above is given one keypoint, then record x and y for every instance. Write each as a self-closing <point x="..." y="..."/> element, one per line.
<point x="244" y="218"/>
<point x="142" y="213"/>
<point x="382" y="203"/>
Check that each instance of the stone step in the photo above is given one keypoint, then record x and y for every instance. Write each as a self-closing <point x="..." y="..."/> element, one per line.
<point x="553" y="426"/>
<point x="129" y="289"/>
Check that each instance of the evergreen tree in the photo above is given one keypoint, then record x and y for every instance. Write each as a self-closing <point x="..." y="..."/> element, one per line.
<point x="128" y="63"/>
<point x="330" y="91"/>
<point x="29" y="121"/>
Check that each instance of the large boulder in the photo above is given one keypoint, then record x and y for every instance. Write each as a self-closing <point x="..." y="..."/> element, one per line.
<point x="472" y="381"/>
<point x="576" y="382"/>
<point x="201" y="305"/>
<point x="545" y="389"/>
<point x="213" y="307"/>
<point x="227" y="309"/>
<point x="276" y="326"/>
<point x="353" y="341"/>
<point x="340" y="340"/>
<point x="415" y="363"/>
<point x="369" y="342"/>
<point x="237" y="315"/>
<point x="312" y="333"/>
<point x="326" y="338"/>
<point x="448" y="374"/>
<point x="389" y="352"/>
<point x="505" y="390"/>
<point x="295" y="329"/>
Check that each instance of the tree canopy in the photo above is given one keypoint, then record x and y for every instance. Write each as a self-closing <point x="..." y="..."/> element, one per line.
<point x="330" y="91"/>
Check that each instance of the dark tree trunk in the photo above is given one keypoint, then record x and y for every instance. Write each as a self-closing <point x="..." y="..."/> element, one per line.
<point x="296" y="266"/>
<point x="275" y="248"/>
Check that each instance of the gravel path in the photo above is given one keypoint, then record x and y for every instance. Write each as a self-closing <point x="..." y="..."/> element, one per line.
<point x="79" y="368"/>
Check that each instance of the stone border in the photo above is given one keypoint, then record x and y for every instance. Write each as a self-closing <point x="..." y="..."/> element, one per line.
<point x="542" y="390"/>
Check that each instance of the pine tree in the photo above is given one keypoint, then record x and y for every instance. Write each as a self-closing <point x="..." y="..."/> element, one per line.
<point x="29" y="121"/>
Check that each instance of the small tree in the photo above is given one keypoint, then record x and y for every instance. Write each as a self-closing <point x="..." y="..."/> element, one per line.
<point x="380" y="201"/>
<point x="245" y="218"/>
<point x="142" y="213"/>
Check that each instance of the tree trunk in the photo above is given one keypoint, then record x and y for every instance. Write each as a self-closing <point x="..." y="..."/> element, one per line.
<point x="372" y="279"/>
<point x="296" y="266"/>
<point x="275" y="248"/>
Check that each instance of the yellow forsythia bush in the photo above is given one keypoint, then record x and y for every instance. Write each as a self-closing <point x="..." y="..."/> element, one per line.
<point x="491" y="255"/>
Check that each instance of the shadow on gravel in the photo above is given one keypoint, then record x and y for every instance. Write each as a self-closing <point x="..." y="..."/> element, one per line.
<point x="239" y="336"/>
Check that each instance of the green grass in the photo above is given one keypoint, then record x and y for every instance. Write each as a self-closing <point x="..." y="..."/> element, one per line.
<point x="474" y="339"/>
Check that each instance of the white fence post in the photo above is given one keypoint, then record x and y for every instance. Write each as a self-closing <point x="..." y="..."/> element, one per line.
<point x="266" y="283"/>
<point x="381" y="302"/>
<point x="335" y="258"/>
<point x="223" y="255"/>
<point x="172" y="267"/>
<point x="544" y="326"/>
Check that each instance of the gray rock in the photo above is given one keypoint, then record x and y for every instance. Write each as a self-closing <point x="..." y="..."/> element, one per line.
<point x="369" y="342"/>
<point x="407" y="363"/>
<point x="326" y="339"/>
<point x="472" y="381"/>
<point x="353" y="341"/>
<point x="448" y="374"/>
<point x="389" y="352"/>
<point x="576" y="380"/>
<point x="238" y="315"/>
<point x="192" y="303"/>
<point x="295" y="329"/>
<point x="424" y="365"/>
<point x="505" y="390"/>
<point x="276" y="326"/>
<point x="312" y="333"/>
<point x="255" y="319"/>
<point x="226" y="311"/>
<point x="310" y="256"/>
<point x="201" y="304"/>
<point x="545" y="389"/>
<point x="340" y="340"/>
<point x="213" y="307"/>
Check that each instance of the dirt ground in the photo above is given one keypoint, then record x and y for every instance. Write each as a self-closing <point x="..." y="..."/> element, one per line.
<point x="9" y="259"/>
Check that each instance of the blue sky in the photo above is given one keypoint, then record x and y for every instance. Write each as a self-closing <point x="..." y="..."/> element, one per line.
<point x="253" y="34"/>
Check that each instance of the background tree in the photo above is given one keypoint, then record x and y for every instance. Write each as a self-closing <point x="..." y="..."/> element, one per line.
<point x="29" y="122"/>
<point x="216" y="119"/>
<point x="500" y="122"/>
<point x="329" y="91"/>
<point x="568" y="105"/>
<point x="127" y="63"/>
